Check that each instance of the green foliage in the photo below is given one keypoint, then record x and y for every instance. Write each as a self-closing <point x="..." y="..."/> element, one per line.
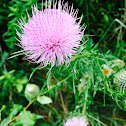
<point x="44" y="100"/>
<point x="17" y="9"/>
<point x="8" y="80"/>
<point x="13" y="112"/>
<point x="27" y="118"/>
<point x="85" y="86"/>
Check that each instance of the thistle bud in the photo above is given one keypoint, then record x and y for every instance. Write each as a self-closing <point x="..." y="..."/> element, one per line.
<point x="120" y="80"/>
<point x="31" y="91"/>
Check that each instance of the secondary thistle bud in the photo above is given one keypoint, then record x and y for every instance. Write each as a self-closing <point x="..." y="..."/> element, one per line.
<point x="120" y="80"/>
<point x="31" y="91"/>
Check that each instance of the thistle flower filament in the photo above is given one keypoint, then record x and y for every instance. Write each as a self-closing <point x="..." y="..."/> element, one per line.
<point x="80" y="121"/>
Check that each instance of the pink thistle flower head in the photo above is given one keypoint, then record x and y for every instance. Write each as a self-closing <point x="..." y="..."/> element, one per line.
<point x="76" y="122"/>
<point x="51" y="36"/>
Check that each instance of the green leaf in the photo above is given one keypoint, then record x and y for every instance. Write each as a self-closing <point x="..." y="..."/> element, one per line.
<point x="124" y="104"/>
<point x="11" y="14"/>
<point x="2" y="77"/>
<point x="19" y="87"/>
<point x="5" y="121"/>
<point x="10" y="39"/>
<point x="27" y="118"/>
<point x="39" y="117"/>
<point x="15" y="110"/>
<point x="106" y="17"/>
<point x="44" y="99"/>
<point x="2" y="108"/>
<point x="16" y="55"/>
<point x="121" y="23"/>
<point x="13" y="9"/>
<point x="34" y="71"/>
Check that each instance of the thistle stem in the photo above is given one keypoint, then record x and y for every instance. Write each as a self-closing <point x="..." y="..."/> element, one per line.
<point x="86" y="96"/>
